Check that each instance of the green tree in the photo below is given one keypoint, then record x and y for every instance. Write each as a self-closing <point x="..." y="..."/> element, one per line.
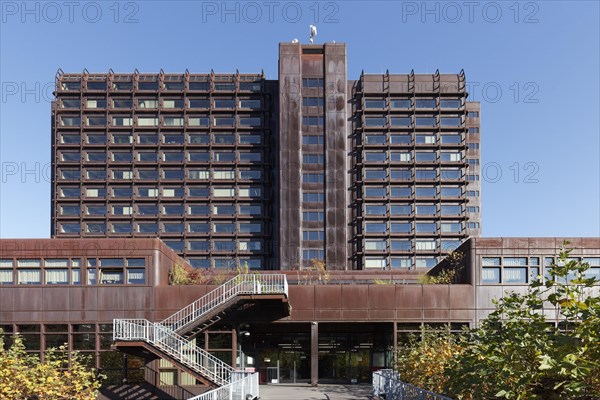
<point x="23" y="376"/>
<point x="424" y="360"/>
<point x="517" y="354"/>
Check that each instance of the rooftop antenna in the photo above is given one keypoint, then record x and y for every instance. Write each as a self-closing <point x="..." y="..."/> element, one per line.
<point x="295" y="41"/>
<point x="313" y="33"/>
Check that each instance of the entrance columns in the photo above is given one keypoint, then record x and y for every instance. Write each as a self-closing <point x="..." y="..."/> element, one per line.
<point x="314" y="353"/>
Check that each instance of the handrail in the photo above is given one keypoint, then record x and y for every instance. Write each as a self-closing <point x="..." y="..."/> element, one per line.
<point x="387" y="384"/>
<point x="186" y="352"/>
<point x="241" y="284"/>
<point x="163" y="334"/>
<point x="239" y="389"/>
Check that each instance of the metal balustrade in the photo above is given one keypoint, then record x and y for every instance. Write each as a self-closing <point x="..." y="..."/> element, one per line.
<point x="169" y="342"/>
<point x="387" y="385"/>
<point x="241" y="284"/>
<point x="242" y="387"/>
<point x="163" y="335"/>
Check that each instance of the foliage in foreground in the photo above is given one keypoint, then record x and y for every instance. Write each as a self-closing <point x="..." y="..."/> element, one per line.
<point x="516" y="353"/>
<point x="23" y="376"/>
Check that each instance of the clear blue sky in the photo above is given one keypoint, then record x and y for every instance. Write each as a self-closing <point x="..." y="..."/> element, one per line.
<point x="543" y="56"/>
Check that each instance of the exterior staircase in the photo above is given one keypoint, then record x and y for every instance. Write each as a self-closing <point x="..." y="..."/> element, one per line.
<point x="170" y="339"/>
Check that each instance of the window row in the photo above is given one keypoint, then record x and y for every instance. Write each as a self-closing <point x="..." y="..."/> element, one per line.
<point x="419" y="191"/>
<point x="153" y="227"/>
<point x="417" y="121"/>
<point x="164" y="103"/>
<point x="419" y="227"/>
<point x="166" y="209"/>
<point x="521" y="270"/>
<point x="399" y="262"/>
<point x="73" y="276"/>
<point x="407" y="103"/>
<point x="165" y="121"/>
<point x="403" y="210"/>
<point x="74" y="174"/>
<point x="405" y="192"/>
<point x="152" y="138"/>
<point x="383" y="138"/>
<point x="446" y="174"/>
<point x="154" y="192"/>
<point x="424" y="156"/>
<point x="179" y="84"/>
<point x="120" y="156"/>
<point x="407" y="245"/>
<point x="230" y="263"/>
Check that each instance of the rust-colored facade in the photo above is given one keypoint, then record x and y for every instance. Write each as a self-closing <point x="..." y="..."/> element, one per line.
<point x="69" y="290"/>
<point x="235" y="170"/>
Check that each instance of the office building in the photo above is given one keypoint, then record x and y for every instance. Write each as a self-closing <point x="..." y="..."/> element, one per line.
<point x="233" y="170"/>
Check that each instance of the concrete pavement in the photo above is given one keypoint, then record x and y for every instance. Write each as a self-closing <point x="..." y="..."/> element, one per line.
<point x="321" y="392"/>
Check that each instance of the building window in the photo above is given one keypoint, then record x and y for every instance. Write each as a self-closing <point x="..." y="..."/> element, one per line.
<point x="29" y="276"/>
<point x="312" y="121"/>
<point x="425" y="191"/>
<point x="375" y="245"/>
<point x="451" y="209"/>
<point x="401" y="245"/>
<point x="400" y="139"/>
<point x="450" y="103"/>
<point x="313" y="101"/>
<point x="70" y="228"/>
<point x="96" y="138"/>
<point x="425" y="262"/>
<point x="400" y="121"/>
<point x="404" y="227"/>
<point x="425" y="245"/>
<point x="375" y="191"/>
<point x="375" y="263"/>
<point x="371" y="156"/>
<point x="401" y="263"/>
<point x="490" y="275"/>
<point x="223" y="192"/>
<point x="313" y="197"/>
<point x="426" y="121"/>
<point x="375" y="209"/>
<point x="451" y="191"/>
<point x="313" y="254"/>
<point x="147" y="139"/>
<point x="400" y="210"/>
<point x="313" y="235"/>
<point x="313" y="178"/>
<point x="309" y="216"/>
<point x="400" y="192"/>
<point x="313" y="158"/>
<point x="401" y="174"/>
<point x="312" y="82"/>
<point x="451" y="227"/>
<point x="251" y="122"/>
<point x="375" y="104"/>
<point x="312" y="139"/>
<point x="426" y="227"/>
<point x="425" y="103"/>
<point x="401" y="103"/>
<point x="372" y="227"/>
<point x="450" y="121"/>
<point x="425" y="139"/>
<point x="451" y="139"/>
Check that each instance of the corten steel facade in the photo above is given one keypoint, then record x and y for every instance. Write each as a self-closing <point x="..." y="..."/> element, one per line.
<point x="187" y="158"/>
<point x="236" y="170"/>
<point x="54" y="291"/>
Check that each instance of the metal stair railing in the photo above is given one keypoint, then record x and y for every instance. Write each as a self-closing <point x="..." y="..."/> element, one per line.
<point x="243" y="386"/>
<point x="164" y="339"/>
<point x="241" y="284"/>
<point x="387" y="385"/>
